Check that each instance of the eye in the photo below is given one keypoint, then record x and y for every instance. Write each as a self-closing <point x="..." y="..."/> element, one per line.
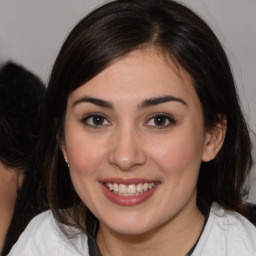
<point x="95" y="120"/>
<point x="160" y="121"/>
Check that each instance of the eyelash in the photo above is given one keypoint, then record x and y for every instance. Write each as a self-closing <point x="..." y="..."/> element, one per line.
<point x="103" y="119"/>
<point x="165" y="117"/>
<point x="86" y="120"/>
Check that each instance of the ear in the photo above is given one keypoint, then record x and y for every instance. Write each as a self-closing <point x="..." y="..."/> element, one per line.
<point x="20" y="178"/>
<point x="214" y="139"/>
<point x="64" y="151"/>
<point x="62" y="145"/>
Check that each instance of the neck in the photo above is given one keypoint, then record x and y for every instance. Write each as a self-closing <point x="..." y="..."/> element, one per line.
<point x="174" y="238"/>
<point x="8" y="195"/>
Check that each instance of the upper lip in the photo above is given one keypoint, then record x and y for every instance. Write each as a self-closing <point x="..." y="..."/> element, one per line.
<point x="128" y="181"/>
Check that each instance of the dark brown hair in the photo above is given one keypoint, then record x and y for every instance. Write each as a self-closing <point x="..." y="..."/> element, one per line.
<point x="109" y="33"/>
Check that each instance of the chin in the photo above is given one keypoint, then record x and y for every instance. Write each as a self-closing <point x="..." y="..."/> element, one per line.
<point x="130" y="225"/>
<point x="131" y="230"/>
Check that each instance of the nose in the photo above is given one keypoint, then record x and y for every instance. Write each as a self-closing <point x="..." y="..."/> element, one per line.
<point x="127" y="150"/>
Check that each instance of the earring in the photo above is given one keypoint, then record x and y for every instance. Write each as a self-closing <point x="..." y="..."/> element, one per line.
<point x="67" y="162"/>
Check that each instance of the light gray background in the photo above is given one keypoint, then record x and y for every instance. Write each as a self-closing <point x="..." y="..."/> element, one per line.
<point x="32" y="31"/>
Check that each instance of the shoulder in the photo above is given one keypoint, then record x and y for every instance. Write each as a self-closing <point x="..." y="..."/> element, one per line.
<point x="44" y="237"/>
<point x="227" y="233"/>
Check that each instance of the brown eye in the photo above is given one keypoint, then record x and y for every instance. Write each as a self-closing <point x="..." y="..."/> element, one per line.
<point x="160" y="121"/>
<point x="96" y="120"/>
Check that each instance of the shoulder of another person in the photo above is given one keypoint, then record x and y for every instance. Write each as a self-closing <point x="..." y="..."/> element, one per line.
<point x="44" y="237"/>
<point x="227" y="233"/>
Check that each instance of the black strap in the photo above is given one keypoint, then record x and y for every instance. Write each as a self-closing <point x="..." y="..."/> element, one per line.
<point x="94" y="249"/>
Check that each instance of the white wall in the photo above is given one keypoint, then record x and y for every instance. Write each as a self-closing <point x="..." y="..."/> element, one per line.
<point x="31" y="32"/>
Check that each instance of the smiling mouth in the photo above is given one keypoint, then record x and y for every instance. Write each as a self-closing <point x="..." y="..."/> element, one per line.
<point x="131" y="189"/>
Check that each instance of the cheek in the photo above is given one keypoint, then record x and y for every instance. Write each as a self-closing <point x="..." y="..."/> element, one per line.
<point x="179" y="154"/>
<point x="85" y="154"/>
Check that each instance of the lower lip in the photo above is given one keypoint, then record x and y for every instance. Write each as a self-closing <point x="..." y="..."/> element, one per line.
<point x="127" y="200"/>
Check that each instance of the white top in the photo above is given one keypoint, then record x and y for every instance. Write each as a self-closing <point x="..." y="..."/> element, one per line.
<point x="225" y="234"/>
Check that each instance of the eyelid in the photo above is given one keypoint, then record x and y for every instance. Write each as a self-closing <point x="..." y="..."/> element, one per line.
<point x="91" y="115"/>
<point x="168" y="117"/>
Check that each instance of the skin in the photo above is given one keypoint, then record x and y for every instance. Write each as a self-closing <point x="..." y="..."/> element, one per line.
<point x="127" y="142"/>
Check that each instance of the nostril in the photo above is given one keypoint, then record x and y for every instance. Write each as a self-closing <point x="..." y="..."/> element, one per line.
<point x="125" y="151"/>
<point x="127" y="160"/>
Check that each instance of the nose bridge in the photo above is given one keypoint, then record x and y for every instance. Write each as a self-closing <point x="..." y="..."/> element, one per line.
<point x="126" y="150"/>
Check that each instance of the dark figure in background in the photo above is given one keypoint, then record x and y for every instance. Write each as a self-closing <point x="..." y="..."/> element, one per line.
<point x="20" y="130"/>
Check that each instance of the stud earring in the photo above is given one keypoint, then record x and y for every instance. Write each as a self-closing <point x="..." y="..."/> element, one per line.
<point x="67" y="162"/>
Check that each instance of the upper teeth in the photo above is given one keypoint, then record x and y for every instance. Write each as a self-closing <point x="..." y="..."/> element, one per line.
<point x="131" y="189"/>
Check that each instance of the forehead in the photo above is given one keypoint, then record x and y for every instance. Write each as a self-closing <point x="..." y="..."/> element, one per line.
<point x="139" y="74"/>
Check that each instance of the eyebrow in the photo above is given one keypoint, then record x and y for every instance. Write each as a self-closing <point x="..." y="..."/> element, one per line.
<point x="95" y="101"/>
<point x="146" y="103"/>
<point x="159" y="100"/>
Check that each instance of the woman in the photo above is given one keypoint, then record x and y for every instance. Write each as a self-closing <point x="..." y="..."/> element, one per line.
<point x="21" y="93"/>
<point x="146" y="148"/>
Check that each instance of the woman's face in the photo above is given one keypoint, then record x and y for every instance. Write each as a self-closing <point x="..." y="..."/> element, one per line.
<point x="134" y="140"/>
